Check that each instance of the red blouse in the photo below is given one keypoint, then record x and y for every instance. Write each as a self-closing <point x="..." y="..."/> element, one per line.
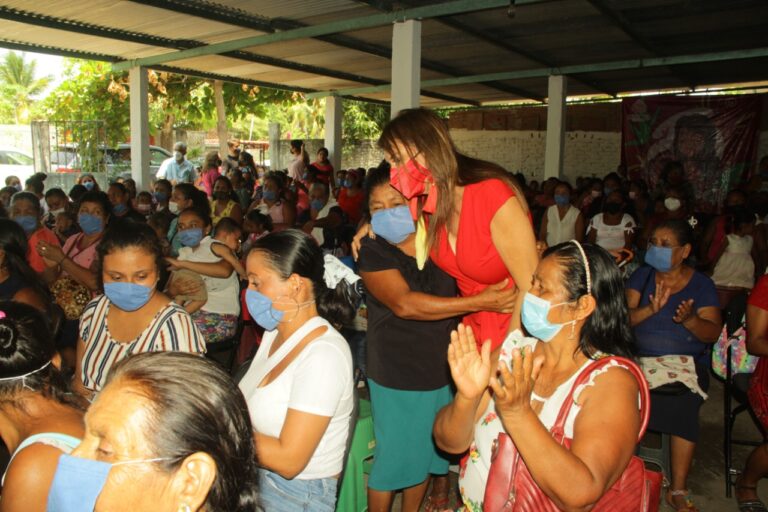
<point x="476" y="263"/>
<point x="351" y="205"/>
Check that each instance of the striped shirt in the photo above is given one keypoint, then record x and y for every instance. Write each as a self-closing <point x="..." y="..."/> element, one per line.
<point x="171" y="329"/>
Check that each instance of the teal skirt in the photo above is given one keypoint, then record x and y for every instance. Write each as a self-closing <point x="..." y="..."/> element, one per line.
<point x="405" y="453"/>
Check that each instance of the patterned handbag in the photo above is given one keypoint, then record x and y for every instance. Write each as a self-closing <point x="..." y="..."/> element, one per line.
<point x="741" y="361"/>
<point x="511" y="488"/>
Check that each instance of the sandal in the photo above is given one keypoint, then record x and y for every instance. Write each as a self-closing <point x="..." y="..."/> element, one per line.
<point x="687" y="499"/>
<point x="435" y="504"/>
<point x="750" y="505"/>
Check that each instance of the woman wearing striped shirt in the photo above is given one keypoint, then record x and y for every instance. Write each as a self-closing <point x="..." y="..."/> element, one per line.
<point x="132" y="316"/>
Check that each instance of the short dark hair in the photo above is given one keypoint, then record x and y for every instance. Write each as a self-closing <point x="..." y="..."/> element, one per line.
<point x="26" y="345"/>
<point x="198" y="197"/>
<point x="294" y="252"/>
<point x="77" y="191"/>
<point x="97" y="197"/>
<point x="680" y="227"/>
<point x="127" y="235"/>
<point x="227" y="225"/>
<point x="36" y="183"/>
<point x="27" y="196"/>
<point x="259" y="218"/>
<point x="375" y="179"/>
<point x="56" y="192"/>
<point x="607" y="329"/>
<point x="119" y="186"/>
<point x="194" y="406"/>
<point x="165" y="184"/>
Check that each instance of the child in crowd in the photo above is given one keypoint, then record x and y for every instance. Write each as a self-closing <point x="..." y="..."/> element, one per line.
<point x="256" y="225"/>
<point x="144" y="203"/>
<point x="735" y="267"/>
<point x="65" y="225"/>
<point x="161" y="223"/>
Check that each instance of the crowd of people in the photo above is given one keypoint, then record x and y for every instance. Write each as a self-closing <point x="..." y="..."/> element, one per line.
<point x="466" y="300"/>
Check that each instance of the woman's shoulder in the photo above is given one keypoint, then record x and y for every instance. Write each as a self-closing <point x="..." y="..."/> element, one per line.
<point x="494" y="186"/>
<point x="328" y="345"/>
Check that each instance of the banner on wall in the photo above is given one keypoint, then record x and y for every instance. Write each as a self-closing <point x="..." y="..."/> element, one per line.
<point x="715" y="140"/>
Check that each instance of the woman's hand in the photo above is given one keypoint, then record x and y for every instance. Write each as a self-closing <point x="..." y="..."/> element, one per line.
<point x="512" y="390"/>
<point x="470" y="370"/>
<point x="498" y="298"/>
<point x="659" y="299"/>
<point x="684" y="312"/>
<point x="51" y="253"/>
<point x="364" y="231"/>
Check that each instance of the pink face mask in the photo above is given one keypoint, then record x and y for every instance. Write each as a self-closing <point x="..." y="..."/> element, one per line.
<point x="411" y="180"/>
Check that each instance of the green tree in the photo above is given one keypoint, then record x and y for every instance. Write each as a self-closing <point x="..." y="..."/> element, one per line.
<point x="20" y="85"/>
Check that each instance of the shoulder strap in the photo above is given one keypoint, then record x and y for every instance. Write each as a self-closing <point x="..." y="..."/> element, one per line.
<point x="645" y="395"/>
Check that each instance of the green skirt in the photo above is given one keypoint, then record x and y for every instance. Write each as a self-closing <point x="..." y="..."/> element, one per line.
<point x="405" y="451"/>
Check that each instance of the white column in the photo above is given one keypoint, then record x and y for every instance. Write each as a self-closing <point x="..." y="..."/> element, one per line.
<point x="139" y="109"/>
<point x="406" y="65"/>
<point x="334" y="113"/>
<point x="555" y="145"/>
<point x="274" y="146"/>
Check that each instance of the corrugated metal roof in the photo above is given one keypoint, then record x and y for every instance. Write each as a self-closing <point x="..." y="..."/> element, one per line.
<point x="539" y="35"/>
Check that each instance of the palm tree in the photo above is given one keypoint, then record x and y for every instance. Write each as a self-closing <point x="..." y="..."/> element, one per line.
<point x="19" y="84"/>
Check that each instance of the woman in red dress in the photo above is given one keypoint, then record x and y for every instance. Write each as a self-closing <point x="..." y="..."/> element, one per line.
<point x="351" y="197"/>
<point x="474" y="220"/>
<point x="757" y="345"/>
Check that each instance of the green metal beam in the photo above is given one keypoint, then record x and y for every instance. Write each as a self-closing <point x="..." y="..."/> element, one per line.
<point x="376" y="20"/>
<point x="570" y="70"/>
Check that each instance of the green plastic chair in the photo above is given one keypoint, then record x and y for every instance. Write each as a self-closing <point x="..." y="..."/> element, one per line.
<point x="353" y="496"/>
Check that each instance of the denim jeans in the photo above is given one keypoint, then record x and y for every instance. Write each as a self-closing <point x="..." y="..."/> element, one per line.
<point x="276" y="494"/>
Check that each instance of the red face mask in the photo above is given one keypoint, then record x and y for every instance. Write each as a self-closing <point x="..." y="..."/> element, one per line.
<point x="411" y="180"/>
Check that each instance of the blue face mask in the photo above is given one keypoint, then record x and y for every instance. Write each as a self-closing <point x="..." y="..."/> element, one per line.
<point x="260" y="308"/>
<point x="347" y="183"/>
<point x="191" y="237"/>
<point x="27" y="222"/>
<point x="119" y="208"/>
<point x="269" y="195"/>
<point x="88" y="185"/>
<point x="317" y="204"/>
<point x="78" y="482"/>
<point x="161" y="197"/>
<point x="659" y="258"/>
<point x="90" y="224"/>
<point x="128" y="296"/>
<point x="393" y="224"/>
<point x="535" y="317"/>
<point x="607" y="191"/>
<point x="561" y="200"/>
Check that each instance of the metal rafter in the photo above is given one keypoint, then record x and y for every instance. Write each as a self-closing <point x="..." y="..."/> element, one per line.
<point x="623" y="24"/>
<point x="31" y="18"/>
<point x="238" y="17"/>
<point x="386" y="5"/>
<point x="50" y="50"/>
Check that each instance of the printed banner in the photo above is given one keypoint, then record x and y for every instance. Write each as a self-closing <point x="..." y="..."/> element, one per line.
<point x="714" y="138"/>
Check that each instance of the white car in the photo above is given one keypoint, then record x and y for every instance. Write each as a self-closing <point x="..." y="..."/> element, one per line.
<point x="15" y="163"/>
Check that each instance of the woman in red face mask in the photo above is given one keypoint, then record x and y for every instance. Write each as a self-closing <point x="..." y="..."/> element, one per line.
<point x="473" y="219"/>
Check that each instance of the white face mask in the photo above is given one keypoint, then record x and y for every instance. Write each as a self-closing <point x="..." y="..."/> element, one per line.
<point x="672" y="204"/>
<point x="178" y="155"/>
<point x="56" y="211"/>
<point x="173" y="207"/>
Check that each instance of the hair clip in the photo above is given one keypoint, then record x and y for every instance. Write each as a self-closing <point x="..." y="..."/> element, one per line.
<point x="692" y="221"/>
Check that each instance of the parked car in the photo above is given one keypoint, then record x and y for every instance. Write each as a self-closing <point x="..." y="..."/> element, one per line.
<point x="116" y="161"/>
<point x="15" y="163"/>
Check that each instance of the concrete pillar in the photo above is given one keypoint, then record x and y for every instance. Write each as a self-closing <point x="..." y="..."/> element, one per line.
<point x="406" y="65"/>
<point x="555" y="143"/>
<point x="334" y="113"/>
<point x="139" y="109"/>
<point x="274" y="146"/>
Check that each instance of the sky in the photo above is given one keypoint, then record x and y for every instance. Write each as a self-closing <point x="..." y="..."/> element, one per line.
<point x="46" y="65"/>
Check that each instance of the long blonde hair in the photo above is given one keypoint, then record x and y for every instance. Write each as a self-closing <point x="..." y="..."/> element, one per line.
<point x="421" y="131"/>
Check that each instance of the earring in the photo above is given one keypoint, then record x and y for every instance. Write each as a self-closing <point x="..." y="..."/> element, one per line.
<point x="185" y="508"/>
<point x="573" y="330"/>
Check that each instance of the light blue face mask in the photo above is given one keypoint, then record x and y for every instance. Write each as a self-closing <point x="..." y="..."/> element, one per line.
<point x="317" y="204"/>
<point x="263" y="311"/>
<point x="27" y="222"/>
<point x="393" y="224"/>
<point x="191" y="237"/>
<point x="90" y="224"/>
<point x="78" y="482"/>
<point x="659" y="258"/>
<point x="535" y="317"/>
<point x="128" y="296"/>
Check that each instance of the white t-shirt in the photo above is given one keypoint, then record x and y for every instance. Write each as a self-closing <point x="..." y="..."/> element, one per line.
<point x="611" y="237"/>
<point x="318" y="381"/>
<point x="561" y="230"/>
<point x="296" y="167"/>
<point x="223" y="293"/>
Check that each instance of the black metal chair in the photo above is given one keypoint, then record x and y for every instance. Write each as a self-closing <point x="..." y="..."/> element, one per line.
<point x="734" y="390"/>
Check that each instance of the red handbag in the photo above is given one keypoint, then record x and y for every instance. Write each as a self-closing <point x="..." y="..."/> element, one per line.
<point x="511" y="487"/>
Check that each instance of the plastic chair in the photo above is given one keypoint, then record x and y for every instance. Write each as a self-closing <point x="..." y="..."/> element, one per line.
<point x="353" y="495"/>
